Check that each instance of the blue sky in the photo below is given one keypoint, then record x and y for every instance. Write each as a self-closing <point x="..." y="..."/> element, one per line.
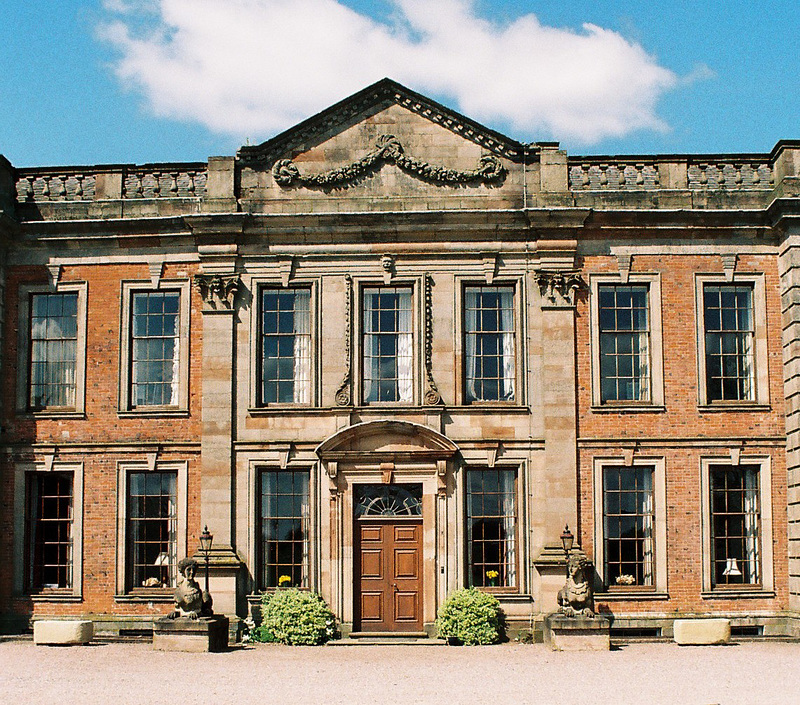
<point x="106" y="81"/>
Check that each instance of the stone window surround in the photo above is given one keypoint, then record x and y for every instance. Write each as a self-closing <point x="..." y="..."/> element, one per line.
<point x="254" y="469"/>
<point x="124" y="469"/>
<point x="24" y="343"/>
<point x="760" y="354"/>
<point x="764" y="463"/>
<point x="256" y="285"/>
<point x="520" y="468"/>
<point x="520" y="390"/>
<point x="653" y="283"/>
<point x="416" y="284"/>
<point x="21" y="473"/>
<point x="658" y="463"/>
<point x="128" y="288"/>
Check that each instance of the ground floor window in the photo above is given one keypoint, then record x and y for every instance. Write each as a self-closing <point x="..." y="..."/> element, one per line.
<point x="152" y="529"/>
<point x="284" y="528"/>
<point x="50" y="531"/>
<point x="492" y="527"/>
<point x="628" y="524"/>
<point x="735" y="525"/>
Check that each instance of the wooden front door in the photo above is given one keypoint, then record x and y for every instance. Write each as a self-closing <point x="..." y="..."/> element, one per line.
<point x="388" y="575"/>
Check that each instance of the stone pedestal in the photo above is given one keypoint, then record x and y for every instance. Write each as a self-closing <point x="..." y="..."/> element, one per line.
<point x="577" y="633"/>
<point x="701" y="631"/>
<point x="195" y="635"/>
<point x="51" y="632"/>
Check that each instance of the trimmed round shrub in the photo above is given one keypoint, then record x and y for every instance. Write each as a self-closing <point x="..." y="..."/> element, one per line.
<point x="470" y="617"/>
<point x="294" y="617"/>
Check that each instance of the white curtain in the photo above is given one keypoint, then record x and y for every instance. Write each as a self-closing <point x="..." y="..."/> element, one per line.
<point x="302" y="348"/>
<point x="509" y="510"/>
<point x="506" y="298"/>
<point x="471" y="323"/>
<point x="404" y="346"/>
<point x="371" y="358"/>
<point x="647" y="526"/>
<point x="746" y="341"/>
<point x="643" y="359"/>
<point x="306" y="526"/>
<point x="176" y="370"/>
<point x="751" y="570"/>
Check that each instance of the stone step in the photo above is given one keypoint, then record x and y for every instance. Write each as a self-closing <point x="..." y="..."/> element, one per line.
<point x="387" y="639"/>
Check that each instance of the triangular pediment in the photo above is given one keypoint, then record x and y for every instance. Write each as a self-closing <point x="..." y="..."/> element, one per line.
<point x="366" y="105"/>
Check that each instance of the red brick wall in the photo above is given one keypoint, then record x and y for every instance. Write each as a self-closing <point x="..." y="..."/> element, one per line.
<point x="681" y="421"/>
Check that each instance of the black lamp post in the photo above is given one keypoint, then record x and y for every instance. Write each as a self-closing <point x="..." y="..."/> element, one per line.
<point x="567" y="539"/>
<point x="206" y="539"/>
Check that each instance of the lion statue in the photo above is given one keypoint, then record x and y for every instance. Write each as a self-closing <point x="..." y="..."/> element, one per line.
<point x="576" y="598"/>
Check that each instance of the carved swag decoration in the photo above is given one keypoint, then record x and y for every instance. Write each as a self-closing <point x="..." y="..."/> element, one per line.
<point x="559" y="287"/>
<point x="388" y="150"/>
<point x="217" y="290"/>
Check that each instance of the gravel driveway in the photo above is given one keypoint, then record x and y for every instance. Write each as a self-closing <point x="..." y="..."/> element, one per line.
<point x="652" y="673"/>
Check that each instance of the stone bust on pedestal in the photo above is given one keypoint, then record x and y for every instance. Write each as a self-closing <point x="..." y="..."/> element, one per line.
<point x="190" y="601"/>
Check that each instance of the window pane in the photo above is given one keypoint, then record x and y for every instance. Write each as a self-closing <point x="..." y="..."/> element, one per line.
<point x="624" y="343"/>
<point x="728" y="321"/>
<point x="387" y="342"/>
<point x="49" y="531"/>
<point x="285" y="341"/>
<point x="284" y="517"/>
<point x="53" y="350"/>
<point x="492" y="527"/>
<point x="490" y="343"/>
<point x="628" y="518"/>
<point x="735" y="525"/>
<point x="151" y="530"/>
<point x="155" y="329"/>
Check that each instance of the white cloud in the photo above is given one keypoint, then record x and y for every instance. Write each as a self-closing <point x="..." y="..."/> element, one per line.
<point x="255" y="67"/>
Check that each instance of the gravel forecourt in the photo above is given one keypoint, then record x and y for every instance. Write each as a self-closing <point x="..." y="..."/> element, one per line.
<point x="652" y="673"/>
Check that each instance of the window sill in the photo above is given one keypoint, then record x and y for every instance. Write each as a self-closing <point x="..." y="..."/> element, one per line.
<point x="51" y="414"/>
<point x="736" y="593"/>
<point x="56" y="596"/>
<point x="613" y="595"/>
<point x="154" y="412"/>
<point x="629" y="408"/>
<point x="164" y="595"/>
<point x="282" y="408"/>
<point x="733" y="406"/>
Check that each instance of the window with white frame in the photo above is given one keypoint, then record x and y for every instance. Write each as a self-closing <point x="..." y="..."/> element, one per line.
<point x="387" y="345"/>
<point x="489" y="343"/>
<point x="492" y="527"/>
<point x="284" y="518"/>
<point x="52" y="348"/>
<point x="628" y="525"/>
<point x="152" y="529"/>
<point x="627" y="364"/>
<point x="735" y="525"/>
<point x="49" y="519"/>
<point x="285" y="346"/>
<point x="731" y="333"/>
<point x="624" y="342"/>
<point x="155" y="347"/>
<point x="729" y="342"/>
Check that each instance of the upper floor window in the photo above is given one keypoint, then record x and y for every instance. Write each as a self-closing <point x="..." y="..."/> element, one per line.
<point x="53" y="350"/>
<point x="729" y="342"/>
<point x="492" y="527"/>
<point x="50" y="530"/>
<point x="154" y="376"/>
<point x="624" y="343"/>
<point x="285" y="348"/>
<point x="155" y="348"/>
<point x="490" y="343"/>
<point x="388" y="360"/>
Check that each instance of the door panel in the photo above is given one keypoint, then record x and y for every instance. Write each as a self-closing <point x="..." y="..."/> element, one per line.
<point x="388" y="580"/>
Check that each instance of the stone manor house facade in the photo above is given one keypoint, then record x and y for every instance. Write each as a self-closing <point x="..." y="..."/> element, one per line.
<point x="390" y="353"/>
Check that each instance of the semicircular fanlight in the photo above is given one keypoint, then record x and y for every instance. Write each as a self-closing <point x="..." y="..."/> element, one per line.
<point x="389" y="500"/>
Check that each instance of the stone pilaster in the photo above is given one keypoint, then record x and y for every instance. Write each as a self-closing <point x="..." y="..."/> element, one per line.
<point x="218" y="284"/>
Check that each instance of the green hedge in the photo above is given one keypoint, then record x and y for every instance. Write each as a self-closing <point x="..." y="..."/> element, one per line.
<point x="294" y="617"/>
<point x="470" y="617"/>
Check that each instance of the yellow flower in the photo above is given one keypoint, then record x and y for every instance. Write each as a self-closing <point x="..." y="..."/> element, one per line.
<point x="284" y="579"/>
<point x="492" y="574"/>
